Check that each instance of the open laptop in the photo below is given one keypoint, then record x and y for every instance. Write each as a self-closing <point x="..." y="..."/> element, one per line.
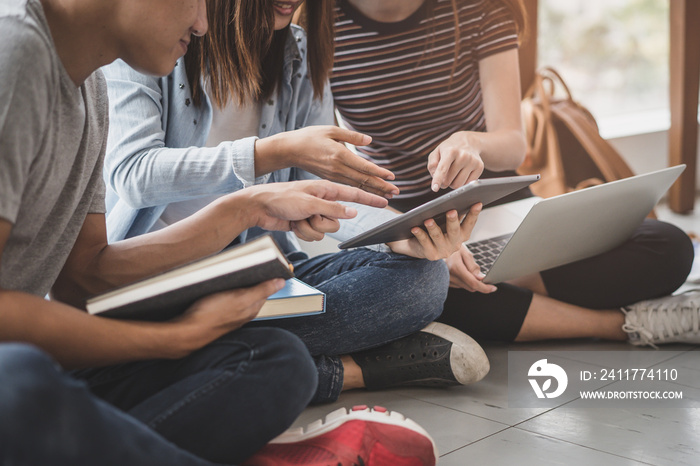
<point x="534" y="234"/>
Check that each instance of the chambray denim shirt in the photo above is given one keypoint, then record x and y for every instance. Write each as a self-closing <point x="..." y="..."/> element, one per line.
<point x="156" y="154"/>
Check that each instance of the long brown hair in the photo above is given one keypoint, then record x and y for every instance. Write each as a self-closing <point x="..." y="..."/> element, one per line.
<point x="242" y="55"/>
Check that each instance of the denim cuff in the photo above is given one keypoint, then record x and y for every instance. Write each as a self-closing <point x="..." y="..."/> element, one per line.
<point x="330" y="379"/>
<point x="243" y="162"/>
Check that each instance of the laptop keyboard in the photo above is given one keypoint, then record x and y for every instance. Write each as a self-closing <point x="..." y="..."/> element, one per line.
<point x="486" y="251"/>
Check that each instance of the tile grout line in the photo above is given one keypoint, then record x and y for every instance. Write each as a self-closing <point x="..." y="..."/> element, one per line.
<point x="583" y="446"/>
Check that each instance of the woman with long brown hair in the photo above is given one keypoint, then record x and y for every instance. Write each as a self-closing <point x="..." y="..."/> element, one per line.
<point x="250" y="104"/>
<point x="436" y="85"/>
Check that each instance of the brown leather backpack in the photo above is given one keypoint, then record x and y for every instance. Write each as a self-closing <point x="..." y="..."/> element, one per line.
<point x="564" y="144"/>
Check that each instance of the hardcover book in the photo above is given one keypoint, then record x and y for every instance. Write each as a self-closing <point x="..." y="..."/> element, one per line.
<point x="295" y="299"/>
<point x="167" y="295"/>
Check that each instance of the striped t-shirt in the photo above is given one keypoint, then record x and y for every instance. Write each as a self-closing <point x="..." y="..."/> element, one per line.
<point x="392" y="80"/>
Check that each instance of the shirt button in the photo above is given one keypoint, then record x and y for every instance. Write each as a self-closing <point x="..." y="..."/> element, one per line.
<point x="298" y="39"/>
<point x="270" y="102"/>
<point x="195" y="122"/>
<point x="298" y="75"/>
<point x="187" y="102"/>
<point x="264" y="126"/>
<point x="182" y="86"/>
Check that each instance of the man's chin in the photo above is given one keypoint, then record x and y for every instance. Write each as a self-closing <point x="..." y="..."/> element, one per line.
<point x="156" y="69"/>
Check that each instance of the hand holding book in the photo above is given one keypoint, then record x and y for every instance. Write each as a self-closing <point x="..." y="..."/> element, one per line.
<point x="222" y="312"/>
<point x="180" y="293"/>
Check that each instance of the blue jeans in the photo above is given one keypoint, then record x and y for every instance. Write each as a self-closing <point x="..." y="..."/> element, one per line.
<point x="372" y="298"/>
<point x="220" y="404"/>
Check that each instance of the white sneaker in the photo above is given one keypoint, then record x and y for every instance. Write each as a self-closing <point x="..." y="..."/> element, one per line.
<point x="672" y="319"/>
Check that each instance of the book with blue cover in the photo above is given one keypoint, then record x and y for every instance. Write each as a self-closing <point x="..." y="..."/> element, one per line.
<point x="295" y="299"/>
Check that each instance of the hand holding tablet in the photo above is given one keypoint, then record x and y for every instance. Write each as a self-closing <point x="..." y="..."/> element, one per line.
<point x="461" y="199"/>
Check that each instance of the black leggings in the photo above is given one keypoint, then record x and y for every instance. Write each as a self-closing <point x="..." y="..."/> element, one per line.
<point x="654" y="262"/>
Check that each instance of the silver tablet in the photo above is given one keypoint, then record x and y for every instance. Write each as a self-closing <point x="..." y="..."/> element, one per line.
<point x="461" y="199"/>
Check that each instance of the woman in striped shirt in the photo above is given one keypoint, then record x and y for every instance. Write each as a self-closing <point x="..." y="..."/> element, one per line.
<point x="436" y="85"/>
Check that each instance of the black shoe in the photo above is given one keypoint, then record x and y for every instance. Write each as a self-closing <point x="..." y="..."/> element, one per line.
<point x="437" y="356"/>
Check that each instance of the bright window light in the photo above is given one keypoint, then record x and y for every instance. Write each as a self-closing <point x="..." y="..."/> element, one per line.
<point x="612" y="53"/>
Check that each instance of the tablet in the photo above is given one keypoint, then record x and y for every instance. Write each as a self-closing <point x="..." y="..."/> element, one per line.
<point x="461" y="199"/>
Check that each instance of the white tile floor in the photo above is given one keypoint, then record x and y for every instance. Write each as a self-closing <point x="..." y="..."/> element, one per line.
<point x="473" y="424"/>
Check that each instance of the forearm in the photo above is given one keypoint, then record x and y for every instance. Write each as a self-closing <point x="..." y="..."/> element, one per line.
<point x="271" y="154"/>
<point x="502" y="146"/>
<point x="500" y="150"/>
<point x="104" y="267"/>
<point x="142" y="256"/>
<point x="159" y="176"/>
<point x="76" y="339"/>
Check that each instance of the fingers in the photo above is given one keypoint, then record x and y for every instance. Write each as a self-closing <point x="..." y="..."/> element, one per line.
<point x="462" y="277"/>
<point x="465" y="273"/>
<point x="364" y="166"/>
<point x="349" y="168"/>
<point x="426" y="248"/>
<point x="473" y="278"/>
<point x="282" y="203"/>
<point x="459" y="274"/>
<point x="372" y="182"/>
<point x="462" y="178"/>
<point x="474" y="175"/>
<point x="369" y="183"/>
<point x="339" y="192"/>
<point x="453" y="167"/>
<point x="231" y="309"/>
<point x="453" y="227"/>
<point x="441" y="172"/>
<point x="434" y="243"/>
<point x="346" y="135"/>
<point x="323" y="224"/>
<point x="433" y="160"/>
<point x="244" y="297"/>
<point x="469" y="222"/>
<point x="314" y="228"/>
<point x="305" y="231"/>
<point x="329" y="209"/>
<point x="439" y="243"/>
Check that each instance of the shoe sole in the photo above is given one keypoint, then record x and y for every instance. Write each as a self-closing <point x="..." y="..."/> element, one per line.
<point x="378" y="416"/>
<point x="468" y="360"/>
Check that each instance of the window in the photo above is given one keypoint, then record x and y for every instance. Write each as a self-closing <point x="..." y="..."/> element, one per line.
<point x="614" y="56"/>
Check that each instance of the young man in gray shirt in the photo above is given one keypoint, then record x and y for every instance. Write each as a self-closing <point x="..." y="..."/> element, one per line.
<point x="194" y="390"/>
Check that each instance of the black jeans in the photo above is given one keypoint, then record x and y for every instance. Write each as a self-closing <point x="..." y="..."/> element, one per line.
<point x="654" y="262"/>
<point x="220" y="404"/>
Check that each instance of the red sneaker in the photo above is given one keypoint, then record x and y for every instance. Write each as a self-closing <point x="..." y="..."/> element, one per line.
<point x="361" y="437"/>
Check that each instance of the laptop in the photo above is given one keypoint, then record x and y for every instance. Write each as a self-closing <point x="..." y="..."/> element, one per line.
<point x="534" y="234"/>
